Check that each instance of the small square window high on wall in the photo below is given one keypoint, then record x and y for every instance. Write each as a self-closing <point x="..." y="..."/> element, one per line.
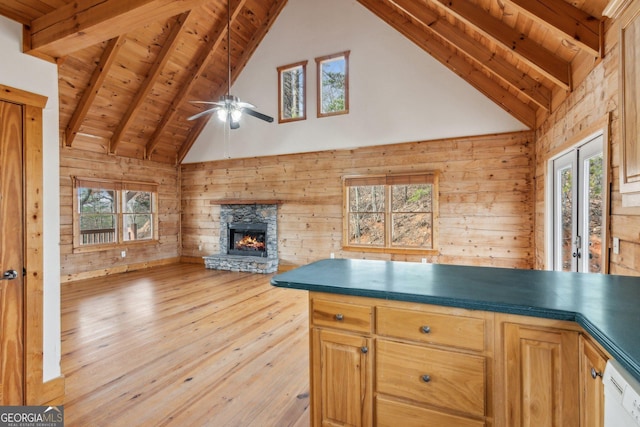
<point x="333" y="84"/>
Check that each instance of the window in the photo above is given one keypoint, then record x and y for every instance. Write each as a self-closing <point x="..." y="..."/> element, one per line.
<point x="109" y="213"/>
<point x="333" y="84"/>
<point x="391" y="213"/>
<point x="291" y="92"/>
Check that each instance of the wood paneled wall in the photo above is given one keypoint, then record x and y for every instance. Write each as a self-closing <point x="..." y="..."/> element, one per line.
<point x="591" y="100"/>
<point x="80" y="163"/>
<point x="486" y="198"/>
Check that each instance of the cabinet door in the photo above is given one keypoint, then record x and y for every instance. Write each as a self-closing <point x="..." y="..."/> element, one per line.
<point x="541" y="376"/>
<point x="629" y="94"/>
<point x="592" y="364"/>
<point x="342" y="379"/>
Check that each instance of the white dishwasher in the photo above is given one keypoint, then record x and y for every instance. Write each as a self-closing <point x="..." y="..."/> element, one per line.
<point x="621" y="397"/>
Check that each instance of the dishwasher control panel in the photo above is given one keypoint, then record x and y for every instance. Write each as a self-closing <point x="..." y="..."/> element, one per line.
<point x="621" y="397"/>
<point x="631" y="403"/>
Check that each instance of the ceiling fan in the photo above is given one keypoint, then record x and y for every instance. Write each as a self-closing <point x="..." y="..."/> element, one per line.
<point x="230" y="108"/>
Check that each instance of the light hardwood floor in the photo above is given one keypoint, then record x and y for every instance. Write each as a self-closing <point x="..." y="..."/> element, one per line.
<point x="181" y="345"/>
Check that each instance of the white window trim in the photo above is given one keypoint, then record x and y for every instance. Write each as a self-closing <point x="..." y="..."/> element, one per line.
<point x="599" y="128"/>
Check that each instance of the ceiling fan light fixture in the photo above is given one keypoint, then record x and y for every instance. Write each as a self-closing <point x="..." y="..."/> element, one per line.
<point x="230" y="108"/>
<point x="236" y="114"/>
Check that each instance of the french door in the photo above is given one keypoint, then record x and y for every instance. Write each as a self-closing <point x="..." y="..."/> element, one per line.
<point x="579" y="192"/>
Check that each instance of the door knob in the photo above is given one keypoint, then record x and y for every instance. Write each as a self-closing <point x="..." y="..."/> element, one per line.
<point x="9" y="275"/>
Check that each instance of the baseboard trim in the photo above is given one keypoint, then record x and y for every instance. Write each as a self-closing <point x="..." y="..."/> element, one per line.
<point x="49" y="393"/>
<point x="118" y="269"/>
<point x="192" y="260"/>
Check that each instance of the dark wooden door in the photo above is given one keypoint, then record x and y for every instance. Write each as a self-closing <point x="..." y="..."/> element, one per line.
<point x="11" y="255"/>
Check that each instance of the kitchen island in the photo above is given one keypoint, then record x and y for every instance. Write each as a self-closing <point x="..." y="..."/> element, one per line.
<point x="605" y="308"/>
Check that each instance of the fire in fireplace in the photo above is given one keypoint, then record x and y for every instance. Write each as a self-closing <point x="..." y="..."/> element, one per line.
<point x="248" y="239"/>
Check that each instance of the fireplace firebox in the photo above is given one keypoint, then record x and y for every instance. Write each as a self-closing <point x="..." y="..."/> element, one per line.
<point x="248" y="239"/>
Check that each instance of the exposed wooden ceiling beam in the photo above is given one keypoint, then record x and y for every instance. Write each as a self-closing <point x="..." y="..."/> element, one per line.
<point x="161" y="60"/>
<point x="14" y="14"/>
<point x="83" y="23"/>
<point x="531" y="53"/>
<point x="97" y="78"/>
<point x="495" y="64"/>
<point x="249" y="49"/>
<point x="200" y="65"/>
<point x="455" y="62"/>
<point x="582" y="28"/>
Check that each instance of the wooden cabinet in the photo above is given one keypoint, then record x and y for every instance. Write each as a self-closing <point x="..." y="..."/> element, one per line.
<point x="443" y="329"/>
<point x="343" y="380"/>
<point x="392" y="413"/>
<point x="440" y="378"/>
<point x="592" y="364"/>
<point x="341" y="363"/>
<point x="389" y="363"/>
<point x="430" y="364"/>
<point x="629" y="96"/>
<point x="540" y="376"/>
<point x="339" y="315"/>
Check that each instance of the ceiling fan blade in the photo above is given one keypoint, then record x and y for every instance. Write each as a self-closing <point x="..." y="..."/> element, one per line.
<point x="258" y="115"/>
<point x="242" y="104"/>
<point x="203" y="113"/>
<point x="218" y="103"/>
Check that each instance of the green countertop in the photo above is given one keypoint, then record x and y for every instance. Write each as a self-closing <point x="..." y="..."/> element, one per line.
<point x="606" y="306"/>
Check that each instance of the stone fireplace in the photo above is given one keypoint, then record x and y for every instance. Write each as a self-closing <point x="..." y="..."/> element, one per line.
<point x="248" y="239"/>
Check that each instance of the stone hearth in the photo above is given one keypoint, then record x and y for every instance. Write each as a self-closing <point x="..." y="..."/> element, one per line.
<point x="247" y="213"/>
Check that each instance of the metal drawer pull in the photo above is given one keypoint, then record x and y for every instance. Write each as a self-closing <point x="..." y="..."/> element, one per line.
<point x="364" y="349"/>
<point x="339" y="317"/>
<point x="425" y="329"/>
<point x="595" y="374"/>
<point x="426" y="378"/>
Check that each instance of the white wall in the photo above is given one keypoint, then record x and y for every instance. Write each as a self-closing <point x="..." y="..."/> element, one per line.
<point x="34" y="75"/>
<point x="398" y="93"/>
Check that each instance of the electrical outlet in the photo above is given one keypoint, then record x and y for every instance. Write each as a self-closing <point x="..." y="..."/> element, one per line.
<point x="200" y="247"/>
<point x="424" y="260"/>
<point x="123" y="254"/>
<point x="332" y="255"/>
<point x="616" y="245"/>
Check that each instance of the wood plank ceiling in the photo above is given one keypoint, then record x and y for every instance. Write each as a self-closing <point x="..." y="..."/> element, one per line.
<point x="127" y="69"/>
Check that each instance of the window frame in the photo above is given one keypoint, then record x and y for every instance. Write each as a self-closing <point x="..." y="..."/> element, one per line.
<point x="119" y="187"/>
<point x="281" y="70"/>
<point x="319" y="61"/>
<point x="388" y="181"/>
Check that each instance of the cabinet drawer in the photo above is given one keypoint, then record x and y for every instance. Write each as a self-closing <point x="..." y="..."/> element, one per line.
<point x="442" y="329"/>
<point x="445" y="379"/>
<point x="389" y="412"/>
<point x="339" y="315"/>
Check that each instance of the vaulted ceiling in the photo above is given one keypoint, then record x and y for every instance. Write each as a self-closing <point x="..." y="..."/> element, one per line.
<point x="128" y="69"/>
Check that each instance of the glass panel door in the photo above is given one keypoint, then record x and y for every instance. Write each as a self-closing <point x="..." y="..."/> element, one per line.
<point x="564" y="212"/>
<point x="578" y="209"/>
<point x="591" y="209"/>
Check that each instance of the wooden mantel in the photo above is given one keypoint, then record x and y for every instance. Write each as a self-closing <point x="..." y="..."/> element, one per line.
<point x="246" y="202"/>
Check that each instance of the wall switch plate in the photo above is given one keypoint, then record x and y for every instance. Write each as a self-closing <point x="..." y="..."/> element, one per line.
<point x="200" y="247"/>
<point x="123" y="254"/>
<point x="332" y="255"/>
<point x="616" y="245"/>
